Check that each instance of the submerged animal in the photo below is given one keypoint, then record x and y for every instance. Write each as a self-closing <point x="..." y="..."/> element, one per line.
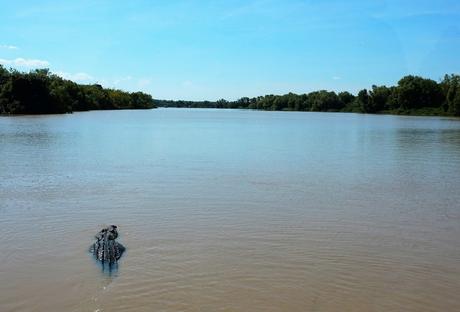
<point x="106" y="249"/>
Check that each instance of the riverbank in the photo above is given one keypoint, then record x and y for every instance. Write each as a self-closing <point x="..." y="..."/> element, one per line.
<point x="41" y="92"/>
<point x="413" y="95"/>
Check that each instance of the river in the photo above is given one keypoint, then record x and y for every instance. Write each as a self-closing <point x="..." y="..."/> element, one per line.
<point x="231" y="210"/>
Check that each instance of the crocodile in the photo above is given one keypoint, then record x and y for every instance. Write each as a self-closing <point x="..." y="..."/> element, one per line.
<point x="106" y="249"/>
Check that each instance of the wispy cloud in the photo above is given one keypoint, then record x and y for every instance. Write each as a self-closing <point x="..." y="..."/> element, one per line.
<point x="21" y="62"/>
<point x="336" y="78"/>
<point x="8" y="47"/>
<point x="77" y="77"/>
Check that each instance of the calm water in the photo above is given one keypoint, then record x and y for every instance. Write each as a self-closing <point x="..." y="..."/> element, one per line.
<point x="227" y="210"/>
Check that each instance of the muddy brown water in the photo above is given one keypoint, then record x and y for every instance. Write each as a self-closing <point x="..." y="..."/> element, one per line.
<point x="229" y="210"/>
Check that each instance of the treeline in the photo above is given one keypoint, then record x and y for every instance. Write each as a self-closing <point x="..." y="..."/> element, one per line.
<point x="412" y="95"/>
<point x="40" y="92"/>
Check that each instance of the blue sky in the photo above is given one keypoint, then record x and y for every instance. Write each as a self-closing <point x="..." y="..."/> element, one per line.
<point x="228" y="49"/>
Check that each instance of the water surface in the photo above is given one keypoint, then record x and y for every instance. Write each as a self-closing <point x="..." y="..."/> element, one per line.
<point x="228" y="210"/>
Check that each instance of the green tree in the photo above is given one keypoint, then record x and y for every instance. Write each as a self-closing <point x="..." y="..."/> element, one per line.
<point x="363" y="100"/>
<point x="378" y="99"/>
<point x="40" y="92"/>
<point x="418" y="92"/>
<point x="323" y="101"/>
<point x="451" y="88"/>
<point x="346" y="98"/>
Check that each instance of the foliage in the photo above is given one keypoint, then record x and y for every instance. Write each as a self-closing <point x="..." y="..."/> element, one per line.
<point x="412" y="95"/>
<point x="40" y="92"/>
<point x="451" y="88"/>
<point x="417" y="92"/>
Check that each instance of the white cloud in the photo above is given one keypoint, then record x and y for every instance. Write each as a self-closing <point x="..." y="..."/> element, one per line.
<point x="336" y="78"/>
<point x="21" y="62"/>
<point x="8" y="47"/>
<point x="77" y="77"/>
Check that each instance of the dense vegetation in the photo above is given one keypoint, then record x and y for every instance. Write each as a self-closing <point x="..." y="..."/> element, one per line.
<point x="412" y="95"/>
<point x="40" y="92"/>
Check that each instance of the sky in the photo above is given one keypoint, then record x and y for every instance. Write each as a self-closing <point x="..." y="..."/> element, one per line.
<point x="207" y="50"/>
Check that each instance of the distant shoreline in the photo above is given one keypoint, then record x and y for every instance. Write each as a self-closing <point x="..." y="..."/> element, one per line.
<point x="72" y="112"/>
<point x="386" y="113"/>
<point x="41" y="92"/>
<point x="412" y="96"/>
<point x="382" y="113"/>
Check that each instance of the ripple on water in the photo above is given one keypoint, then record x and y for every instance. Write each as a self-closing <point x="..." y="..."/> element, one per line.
<point x="234" y="210"/>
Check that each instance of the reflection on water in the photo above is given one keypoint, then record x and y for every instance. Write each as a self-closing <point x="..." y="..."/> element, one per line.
<point x="231" y="210"/>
